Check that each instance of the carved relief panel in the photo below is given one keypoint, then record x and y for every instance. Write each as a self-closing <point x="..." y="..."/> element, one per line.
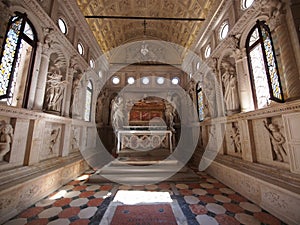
<point x="6" y="138"/>
<point x="233" y="139"/>
<point x="55" y="84"/>
<point x="52" y="141"/>
<point x="270" y="142"/>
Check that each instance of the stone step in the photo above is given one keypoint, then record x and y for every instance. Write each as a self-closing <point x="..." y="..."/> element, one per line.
<point x="143" y="178"/>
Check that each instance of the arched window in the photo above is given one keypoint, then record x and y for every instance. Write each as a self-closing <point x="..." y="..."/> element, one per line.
<point x="17" y="59"/>
<point x="88" y="101"/>
<point x="200" y="105"/>
<point x="263" y="66"/>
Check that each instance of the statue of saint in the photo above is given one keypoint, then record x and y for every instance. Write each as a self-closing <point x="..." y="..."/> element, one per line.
<point x="230" y="86"/>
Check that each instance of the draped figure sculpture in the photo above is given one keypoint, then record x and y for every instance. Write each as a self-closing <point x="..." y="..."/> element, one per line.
<point x="230" y="89"/>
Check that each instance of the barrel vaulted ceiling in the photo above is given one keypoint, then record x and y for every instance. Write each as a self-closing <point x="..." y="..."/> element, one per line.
<point x="111" y="33"/>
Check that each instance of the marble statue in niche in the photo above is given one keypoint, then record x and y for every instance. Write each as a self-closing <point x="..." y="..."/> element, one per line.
<point x="100" y="106"/>
<point x="117" y="113"/>
<point x="236" y="138"/>
<point x="230" y="89"/>
<point x="75" y="95"/>
<point x="277" y="141"/>
<point x="53" y="139"/>
<point x="55" y="87"/>
<point x="170" y="113"/>
<point x="6" y="137"/>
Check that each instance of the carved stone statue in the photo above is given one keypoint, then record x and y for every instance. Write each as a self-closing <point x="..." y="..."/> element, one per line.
<point x="277" y="140"/>
<point x="117" y="113"/>
<point x="170" y="114"/>
<point x="235" y="136"/>
<point x="230" y="86"/>
<point x="54" y="92"/>
<point x="100" y="105"/>
<point x="53" y="139"/>
<point x="75" y="96"/>
<point x="6" y="136"/>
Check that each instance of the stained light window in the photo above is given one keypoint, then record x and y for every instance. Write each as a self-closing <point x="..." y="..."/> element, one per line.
<point x="246" y="3"/>
<point x="224" y="30"/>
<point x="207" y="51"/>
<point x="17" y="58"/>
<point x="263" y="66"/>
<point x="88" y="101"/>
<point x="62" y="25"/>
<point x="200" y="104"/>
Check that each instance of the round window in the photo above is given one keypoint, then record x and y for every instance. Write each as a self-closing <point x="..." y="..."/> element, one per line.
<point x="62" y="25"/>
<point x="115" y="80"/>
<point x="175" y="80"/>
<point x="130" y="80"/>
<point x="145" y="80"/>
<point x="80" y="48"/>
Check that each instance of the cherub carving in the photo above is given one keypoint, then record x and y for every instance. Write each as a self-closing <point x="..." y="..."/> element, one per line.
<point x="6" y="136"/>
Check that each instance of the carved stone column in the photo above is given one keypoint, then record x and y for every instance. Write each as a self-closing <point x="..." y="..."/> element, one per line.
<point x="35" y="75"/>
<point x="289" y="74"/>
<point x="41" y="82"/>
<point x="244" y="83"/>
<point x="68" y="91"/>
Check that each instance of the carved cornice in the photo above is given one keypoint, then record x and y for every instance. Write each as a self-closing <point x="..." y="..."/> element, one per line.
<point x="13" y="112"/>
<point x="276" y="110"/>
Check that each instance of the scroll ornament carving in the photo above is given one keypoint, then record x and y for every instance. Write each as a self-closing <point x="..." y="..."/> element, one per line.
<point x="275" y="200"/>
<point x="6" y="138"/>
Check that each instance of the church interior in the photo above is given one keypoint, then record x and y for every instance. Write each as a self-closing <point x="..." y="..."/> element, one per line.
<point x="130" y="112"/>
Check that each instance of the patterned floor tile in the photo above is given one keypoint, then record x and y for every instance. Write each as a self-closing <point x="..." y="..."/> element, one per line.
<point x="206" y="202"/>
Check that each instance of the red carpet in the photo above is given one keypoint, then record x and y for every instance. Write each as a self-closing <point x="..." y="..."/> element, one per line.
<point x="144" y="215"/>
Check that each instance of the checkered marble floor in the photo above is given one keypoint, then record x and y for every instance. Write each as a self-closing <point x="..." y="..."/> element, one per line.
<point x="207" y="202"/>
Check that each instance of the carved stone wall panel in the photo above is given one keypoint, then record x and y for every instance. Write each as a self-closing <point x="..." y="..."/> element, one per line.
<point x="291" y="123"/>
<point x="20" y="137"/>
<point x="277" y="200"/>
<point x="34" y="189"/>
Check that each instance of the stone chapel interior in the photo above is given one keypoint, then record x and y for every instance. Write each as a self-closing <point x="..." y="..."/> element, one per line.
<point x="212" y="84"/>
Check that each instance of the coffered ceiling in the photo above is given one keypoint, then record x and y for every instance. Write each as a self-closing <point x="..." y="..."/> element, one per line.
<point x="111" y="33"/>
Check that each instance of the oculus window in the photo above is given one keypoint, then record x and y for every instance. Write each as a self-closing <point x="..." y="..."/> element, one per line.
<point x="246" y="3"/>
<point x="62" y="26"/>
<point x="80" y="48"/>
<point x="115" y="80"/>
<point x="207" y="51"/>
<point x="224" y="30"/>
